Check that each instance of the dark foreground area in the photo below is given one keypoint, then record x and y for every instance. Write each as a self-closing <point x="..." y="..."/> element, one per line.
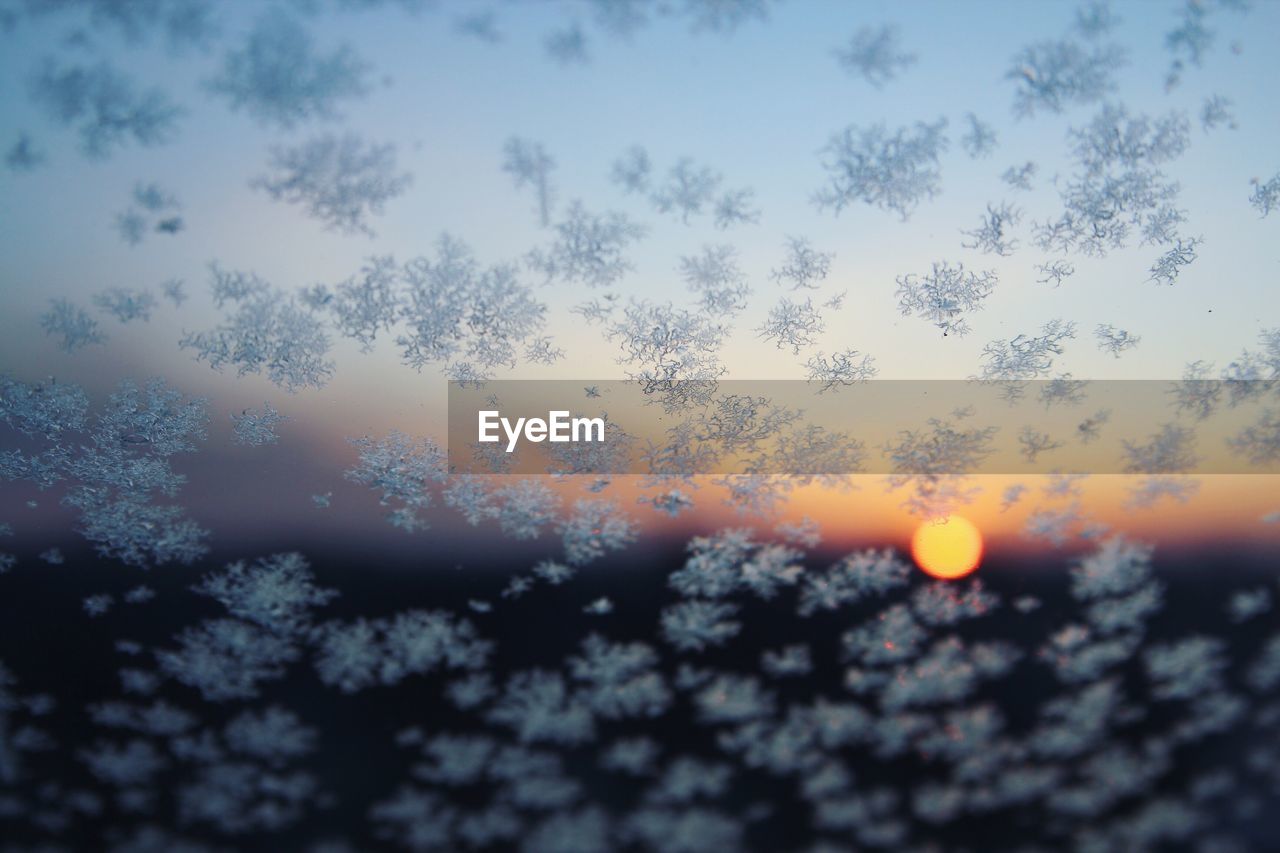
<point x="736" y="695"/>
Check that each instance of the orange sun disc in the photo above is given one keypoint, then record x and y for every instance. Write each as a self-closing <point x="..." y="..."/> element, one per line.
<point x="947" y="549"/>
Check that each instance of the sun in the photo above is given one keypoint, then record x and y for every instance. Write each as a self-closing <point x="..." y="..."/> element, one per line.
<point x="947" y="549"/>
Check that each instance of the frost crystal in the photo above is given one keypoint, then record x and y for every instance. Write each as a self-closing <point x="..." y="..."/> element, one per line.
<point x="736" y="207"/>
<point x="714" y="275"/>
<point x="72" y="323"/>
<point x="126" y="305"/>
<point x="453" y="307"/>
<point x="367" y="302"/>
<point x="991" y="236"/>
<point x="691" y="190"/>
<point x="357" y="655"/>
<point x="790" y="661"/>
<point x="1019" y="177"/>
<point x="1117" y="567"/>
<point x="98" y="605"/>
<point x="844" y="368"/>
<point x="273" y="735"/>
<point x="805" y="267"/>
<point x="529" y="164"/>
<point x="538" y="707"/>
<point x="792" y="324"/>
<point x="273" y="592"/>
<point x="858" y="576"/>
<point x="1259" y="442"/>
<point x="268" y="332"/>
<point x="980" y="140"/>
<point x="402" y="470"/>
<point x="340" y="181"/>
<point x="874" y="55"/>
<point x="279" y="77"/>
<point x="595" y="528"/>
<point x="947" y="604"/>
<point x="1166" y="268"/>
<point x="1266" y="196"/>
<point x="23" y="155"/>
<point x="933" y="461"/>
<point x="105" y="107"/>
<point x="632" y="170"/>
<point x="119" y="469"/>
<point x="945" y="293"/>
<point x="131" y="225"/>
<point x="1032" y="443"/>
<point x="1245" y="605"/>
<point x="1055" y="75"/>
<point x="731" y="561"/>
<point x="620" y="680"/>
<point x="524" y="508"/>
<point x="1113" y="340"/>
<point x="1120" y="186"/>
<point x="1026" y="357"/>
<point x="1191" y="39"/>
<point x="1190" y="667"/>
<point x="226" y="659"/>
<point x="669" y="350"/>
<point x="568" y="46"/>
<point x="1216" y="111"/>
<point x="1170" y="451"/>
<point x="589" y="248"/>
<point x="692" y="626"/>
<point x="602" y="606"/>
<point x="687" y="191"/>
<point x="889" y="171"/>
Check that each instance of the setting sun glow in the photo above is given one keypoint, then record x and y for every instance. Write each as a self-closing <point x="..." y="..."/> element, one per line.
<point x="947" y="549"/>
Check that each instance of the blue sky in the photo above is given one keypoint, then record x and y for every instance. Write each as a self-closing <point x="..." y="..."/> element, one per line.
<point x="757" y="105"/>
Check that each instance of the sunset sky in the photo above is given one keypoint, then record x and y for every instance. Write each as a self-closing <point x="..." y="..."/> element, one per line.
<point x="757" y="108"/>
